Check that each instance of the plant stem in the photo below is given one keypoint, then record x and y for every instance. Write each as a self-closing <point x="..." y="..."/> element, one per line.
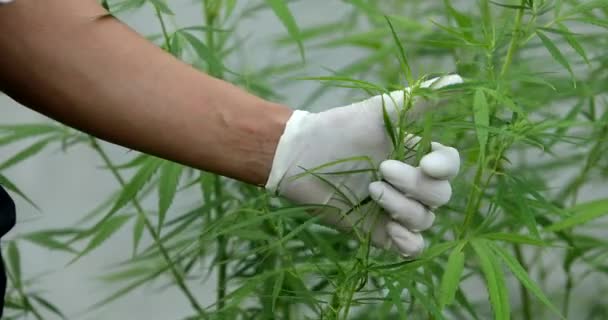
<point x="163" y="28"/>
<point x="28" y="304"/>
<point x="471" y="209"/>
<point x="178" y="277"/>
<point x="221" y="249"/>
<point x="525" y="296"/>
<point x="514" y="40"/>
<point x="569" y="284"/>
<point x="209" y="21"/>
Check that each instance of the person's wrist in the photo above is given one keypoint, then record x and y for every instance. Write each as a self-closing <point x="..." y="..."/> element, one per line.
<point x="278" y="115"/>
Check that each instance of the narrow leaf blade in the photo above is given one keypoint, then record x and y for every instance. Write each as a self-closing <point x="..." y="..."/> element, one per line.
<point x="284" y="14"/>
<point x="170" y="174"/>
<point x="451" y="278"/>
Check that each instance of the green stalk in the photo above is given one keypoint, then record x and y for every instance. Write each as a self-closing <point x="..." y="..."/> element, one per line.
<point x="514" y="40"/>
<point x="525" y="296"/>
<point x="163" y="28"/>
<point x="567" y="295"/>
<point x="272" y="261"/>
<point x="27" y="303"/>
<point x="471" y="208"/>
<point x="210" y="15"/>
<point x="24" y="298"/>
<point x="351" y="294"/>
<point x="222" y="255"/>
<point x="266" y="297"/>
<point x="178" y="277"/>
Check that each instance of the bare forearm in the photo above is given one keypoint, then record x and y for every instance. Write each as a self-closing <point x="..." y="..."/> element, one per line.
<point x="99" y="76"/>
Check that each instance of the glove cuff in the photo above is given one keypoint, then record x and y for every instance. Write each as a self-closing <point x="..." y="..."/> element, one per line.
<point x="284" y="155"/>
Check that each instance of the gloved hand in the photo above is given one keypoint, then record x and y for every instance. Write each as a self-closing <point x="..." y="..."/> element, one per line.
<point x="324" y="158"/>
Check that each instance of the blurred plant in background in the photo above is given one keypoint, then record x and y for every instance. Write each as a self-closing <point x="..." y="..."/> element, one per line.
<point x="531" y="122"/>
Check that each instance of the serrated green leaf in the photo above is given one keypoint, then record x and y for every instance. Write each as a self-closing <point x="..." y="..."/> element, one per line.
<point x="126" y="5"/>
<point x="49" y="306"/>
<point x="587" y="6"/>
<point x="451" y="278"/>
<point x="464" y="21"/>
<point x="161" y="6"/>
<point x="47" y="240"/>
<point x="281" y="10"/>
<point x="355" y="82"/>
<point x="596" y="22"/>
<point x="176" y="47"/>
<point x="9" y="185"/>
<point x="510" y="6"/>
<point x="555" y="53"/>
<point x="582" y="214"/>
<point x="462" y="299"/>
<point x="138" y="230"/>
<point x="313" y="32"/>
<point x="428" y="304"/>
<point x="488" y="28"/>
<point x="394" y="293"/>
<point x="539" y="80"/>
<point x="514" y="238"/>
<point x="133" y="272"/>
<point x="135" y="185"/>
<point x="26" y="153"/>
<point x="19" y="132"/>
<point x="128" y="288"/>
<point x="229" y="8"/>
<point x="326" y="166"/>
<point x="216" y="67"/>
<point x="523" y="277"/>
<point x="14" y="261"/>
<point x="505" y="100"/>
<point x="403" y="61"/>
<point x="103" y="232"/>
<point x="170" y="174"/>
<point x="571" y="39"/>
<point x="495" y="280"/>
<point x="276" y="288"/>
<point x="136" y="161"/>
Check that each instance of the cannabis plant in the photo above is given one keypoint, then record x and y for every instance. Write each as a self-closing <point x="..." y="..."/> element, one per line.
<point x="517" y="239"/>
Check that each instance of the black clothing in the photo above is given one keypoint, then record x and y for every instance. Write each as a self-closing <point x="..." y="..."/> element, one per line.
<point x="7" y="221"/>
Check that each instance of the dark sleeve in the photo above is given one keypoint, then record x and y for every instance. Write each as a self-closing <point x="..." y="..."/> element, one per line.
<point x="7" y="221"/>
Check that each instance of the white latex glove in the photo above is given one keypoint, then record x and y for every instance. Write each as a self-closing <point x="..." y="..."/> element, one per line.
<point x="408" y="194"/>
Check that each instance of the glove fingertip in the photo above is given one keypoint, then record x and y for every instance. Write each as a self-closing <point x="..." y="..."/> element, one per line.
<point x="409" y="244"/>
<point x="437" y="166"/>
<point x="443" y="163"/>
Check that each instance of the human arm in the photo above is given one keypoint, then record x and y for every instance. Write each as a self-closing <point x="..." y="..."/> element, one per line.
<point x="99" y="76"/>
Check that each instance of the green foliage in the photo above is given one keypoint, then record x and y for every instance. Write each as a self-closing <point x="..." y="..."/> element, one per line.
<point x="532" y="109"/>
